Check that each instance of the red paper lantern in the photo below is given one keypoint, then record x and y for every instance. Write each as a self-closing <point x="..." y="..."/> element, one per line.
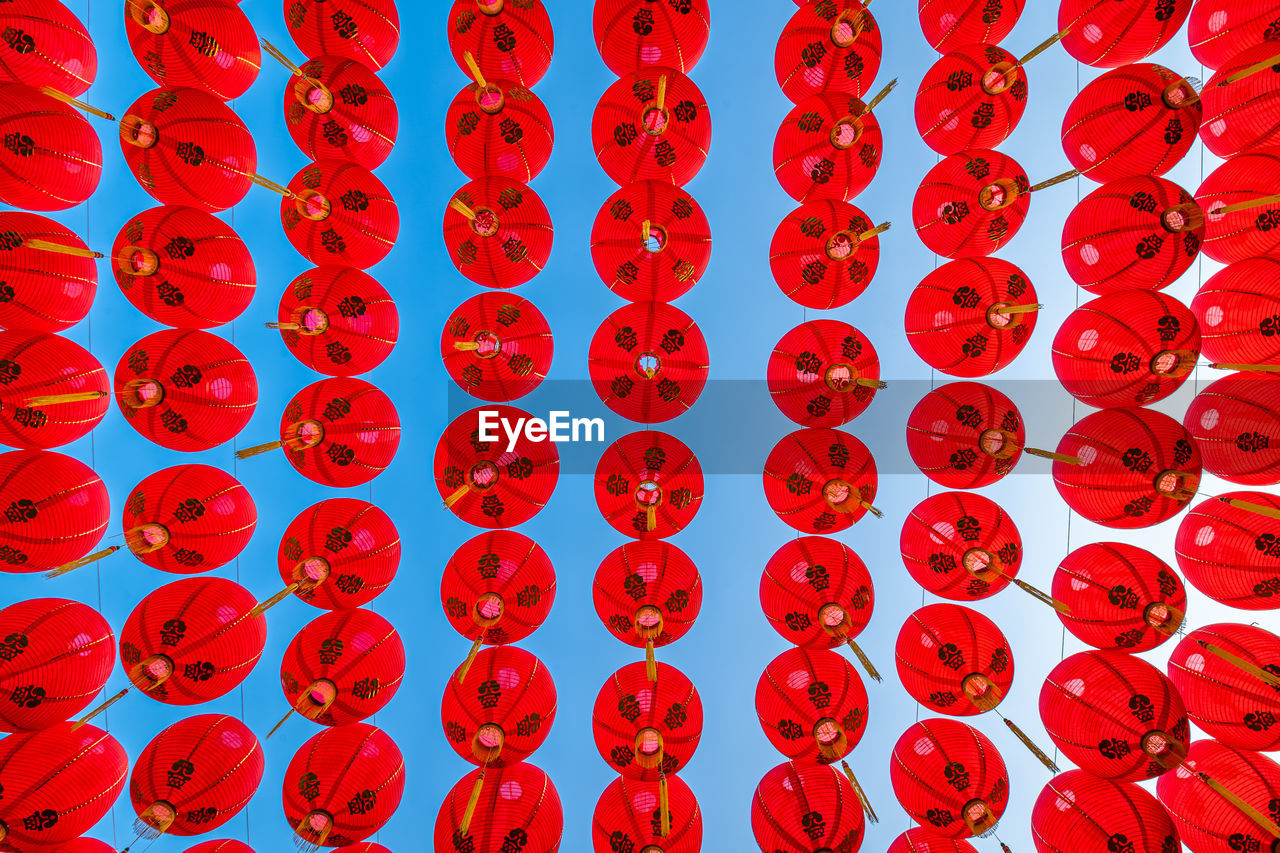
<point x="343" y="785"/>
<point x="820" y="480"/>
<point x="817" y="593"/>
<point x="188" y="519"/>
<point x="1119" y="597"/>
<point x="92" y="845"/>
<point x="922" y="840"/>
<point x="1220" y="29"/>
<point x="498" y="587"/>
<point x="1228" y="547"/>
<point x="49" y="276"/>
<point x="648" y="485"/>
<point x="55" y="509"/>
<point x="828" y="147"/>
<point x="51" y="47"/>
<point x="223" y="845"/>
<point x="498" y="709"/>
<point x="632" y="34"/>
<point x="796" y="801"/>
<point x="183" y="267"/>
<point x="498" y="232"/>
<point x="1128" y="348"/>
<point x="1252" y="180"/>
<point x="499" y="128"/>
<point x="55" y="657"/>
<point x="64" y="780"/>
<point x="647" y="593"/>
<point x="961" y="546"/>
<point x="185" y="390"/>
<point x="367" y="31"/>
<point x="647" y="723"/>
<point x="346" y="322"/>
<point x="950" y="778"/>
<point x="954" y="660"/>
<point x="53" y="390"/>
<point x="340" y="213"/>
<point x="948" y="24"/>
<point x="516" y="804"/>
<point x="1104" y="35"/>
<point x="823" y="373"/>
<point x="1238" y="309"/>
<point x="1233" y="420"/>
<point x="629" y="816"/>
<point x="340" y="110"/>
<point x="362" y="847"/>
<point x="342" y="553"/>
<point x="195" y="776"/>
<point x="342" y="667"/>
<point x="648" y="362"/>
<point x="1203" y="797"/>
<point x="956" y="319"/>
<point x="1243" y="115"/>
<point x="497" y="347"/>
<point x="834" y="47"/>
<point x="1115" y="716"/>
<point x="965" y="435"/>
<point x="972" y="97"/>
<point x="1134" y="233"/>
<point x="650" y="242"/>
<point x="192" y="640"/>
<point x="1128" y="468"/>
<point x="820" y="238"/>
<point x="55" y="160"/>
<point x="639" y="136"/>
<point x="1076" y="811"/>
<point x="204" y="44"/>
<point x="185" y="147"/>
<point x="1225" y="673"/>
<point x="513" y="41"/>
<point x="812" y="705"/>
<point x="971" y="204"/>
<point x="488" y="483"/>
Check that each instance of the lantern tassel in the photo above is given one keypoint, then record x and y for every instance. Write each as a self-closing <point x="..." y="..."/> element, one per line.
<point x="650" y="662"/>
<point x="1005" y="848"/>
<point x="289" y="326"/>
<point x="879" y="229"/>
<point x="278" y="56"/>
<point x="1044" y="45"/>
<point x="1269" y="678"/>
<point x="146" y="829"/>
<point x="83" y="561"/>
<point x="474" y="800"/>
<point x="98" y="710"/>
<point x="277" y="726"/>
<point x="651" y="518"/>
<point x="462" y="208"/>
<point x="661" y="99"/>
<point x="263" y="606"/>
<point x="457" y="496"/>
<point x="1041" y="595"/>
<point x="1263" y="822"/>
<point x="474" y="68"/>
<point x="1057" y="179"/>
<point x="863" y="659"/>
<point x="882" y="94"/>
<point x="644" y="231"/>
<point x="60" y="249"/>
<point x="1251" y="70"/>
<point x="259" y="449"/>
<point x="58" y="399"/>
<point x="664" y="807"/>
<point x="77" y="103"/>
<point x="1018" y="309"/>
<point x="871" y="509"/>
<point x="870" y="383"/>
<point x="862" y="795"/>
<point x="1252" y="507"/>
<point x="1031" y="745"/>
<point x="471" y="658"/>
<point x="1261" y="201"/>
<point x="1056" y="457"/>
<point x="1253" y="368"/>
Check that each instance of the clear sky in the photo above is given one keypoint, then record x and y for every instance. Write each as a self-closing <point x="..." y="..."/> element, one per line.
<point x="742" y="314"/>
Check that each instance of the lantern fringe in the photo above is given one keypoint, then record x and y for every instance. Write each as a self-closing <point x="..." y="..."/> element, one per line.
<point x="1043" y="46"/>
<point x="1056" y="457"/>
<point x="650" y="662"/>
<point x="882" y="94"/>
<point x="1055" y="180"/>
<point x="1263" y="822"/>
<point x="661" y="100"/>
<point x="871" y="383"/>
<point x="1270" y="679"/>
<point x="83" y="561"/>
<point x="471" y="658"/>
<point x="651" y="518"/>
<point x="263" y="606"/>
<point x="1031" y="745"/>
<point x="872" y="232"/>
<point x="58" y="399"/>
<point x="462" y="208"/>
<point x="871" y="509"/>
<point x="474" y="800"/>
<point x="664" y="807"/>
<point x="1251" y="507"/>
<point x="1261" y="201"/>
<point x="457" y="496"/>
<point x="60" y="249"/>
<point x="1251" y="70"/>
<point x="1029" y="308"/>
<point x="98" y="710"/>
<point x="474" y="68"/>
<point x="278" y="56"/>
<point x="147" y="830"/>
<point x="863" y="799"/>
<point x="1253" y="368"/>
<point x="259" y="449"/>
<point x="310" y="843"/>
<point x="286" y="326"/>
<point x="644" y="231"/>
<point x="269" y="184"/>
<point x="77" y="103"/>
<point x="863" y="659"/>
<point x="1057" y="605"/>
<point x="277" y="726"/>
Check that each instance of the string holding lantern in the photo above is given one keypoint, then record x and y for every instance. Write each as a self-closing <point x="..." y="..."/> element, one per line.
<point x="1242" y="111"/>
<point x="648" y="594"/>
<point x="812" y="705"/>
<point x="651" y="124"/>
<point x="829" y="146"/>
<point x="631" y="812"/>
<point x="49" y="275"/>
<point x="830" y="47"/>
<point x="1232" y="420"/>
<point x="647" y="724"/>
<point x="1227" y="675"/>
<point x="648" y="362"/>
<point x="1227" y="548"/>
<point x="1104" y="35"/>
<point x="510" y="40"/>
<point x="520" y="805"/>
<point x="1119" y="597"/>
<point x="367" y="31"/>
<point x="823" y="373"/>
<point x="498" y="710"/>
<point x="338" y="212"/>
<point x="52" y="47"/>
<point x="796" y="801"/>
<point x="1241" y="203"/>
<point x="1221" y="794"/>
<point x="650" y="242"/>
<point x="203" y="44"/>
<point x="498" y="232"/>
<point x="55" y="161"/>
<point x="950" y="778"/>
<point x="821" y="480"/>
<point x="947" y="24"/>
<point x="1217" y="30"/>
<point x="56" y="510"/>
<point x="337" y="320"/>
<point x="821" y="238"/>
<point x="965" y="435"/>
<point x="648" y="485"/>
<point x="341" y="553"/>
<point x="1078" y="811"/>
<point x="496" y="127"/>
<point x="497" y="347"/>
<point x="1235" y="308"/>
<point x="53" y="390"/>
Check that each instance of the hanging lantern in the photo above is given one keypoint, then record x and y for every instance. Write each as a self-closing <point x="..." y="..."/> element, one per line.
<point x="1128" y="348"/>
<point x="829" y="147"/>
<point x="648" y="362"/>
<point x="1076" y="811"/>
<point x="1115" y="716"/>
<point x="922" y="840"/>
<point x="652" y="124"/>
<point x="50" y="47"/>
<point x="1233" y="420"/>
<point x="1135" y="233"/>
<point x="1227" y="675"/>
<point x="971" y="317"/>
<point x="1220" y="799"/>
<point x="52" y="390"/>
<point x="183" y="267"/>
<point x="185" y="390"/>
<point x="647" y="722"/>
<point x="67" y="779"/>
<point x="965" y="435"/>
<point x="92" y="845"/>
<point x="185" y="147"/>
<point x="499" y="709"/>
<point x="222" y="845"/>
<point x="367" y="31"/>
<point x="1220" y="29"/>
<point x="650" y="242"/>
<point x="517" y="806"/>
<point x="497" y="127"/>
<point x="1241" y="108"/>
<point x="343" y="785"/>
<point x="648" y="594"/>
<point x="949" y="777"/>
<point x="830" y="47"/>
<point x="954" y="660"/>
<point x="498" y="232"/>
<point x="972" y="97"/>
<point x="633" y="34"/>
<point x="1228" y="547"/>
<point x="192" y="640"/>
<point x="337" y="109"/>
<point x="497" y="588"/>
<point x="48" y="274"/>
<point x="1241" y="203"/>
<point x="362" y="847"/>
<point x="821" y="480"/>
<point x="55" y="509"/>
<point x="338" y="321"/>
<point x="971" y="204"/>
<point x="630" y="815"/>
<point x="648" y="485"/>
<point x="1127" y="468"/>
<point x="497" y="347"/>
<point x="822" y="237"/>
<point x="1238" y="309"/>
<point x="801" y="807"/>
<point x="195" y="776"/>
<point x="53" y="160"/>
<point x="204" y="44"/>
<point x="485" y="482"/>
<point x="948" y="24"/>
<point x="188" y="519"/>
<point x="823" y="373"/>
<point x="340" y="213"/>
<point x="55" y="657"/>
<point x="341" y="552"/>
<point x="513" y="40"/>
<point x="812" y="705"/>
<point x="1119" y="597"/>
<point x="1105" y="35"/>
